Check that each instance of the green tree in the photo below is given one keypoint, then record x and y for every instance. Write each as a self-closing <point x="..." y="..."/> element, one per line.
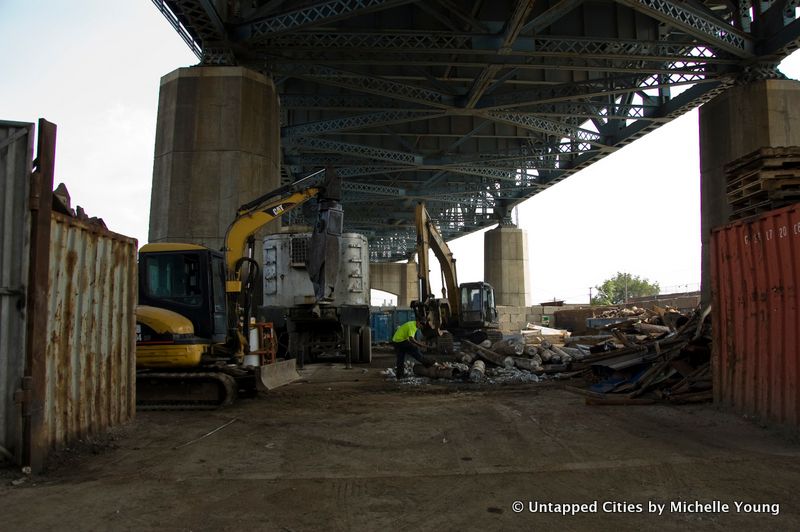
<point x="623" y="286"/>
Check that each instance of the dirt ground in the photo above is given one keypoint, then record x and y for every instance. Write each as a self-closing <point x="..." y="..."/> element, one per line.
<point x="348" y="450"/>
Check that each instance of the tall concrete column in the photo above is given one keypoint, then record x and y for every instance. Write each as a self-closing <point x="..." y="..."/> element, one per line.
<point x="217" y="147"/>
<point x="396" y="278"/>
<point x="735" y="123"/>
<point x="505" y="264"/>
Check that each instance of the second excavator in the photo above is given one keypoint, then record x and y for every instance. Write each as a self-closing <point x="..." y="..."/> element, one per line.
<point x="465" y="311"/>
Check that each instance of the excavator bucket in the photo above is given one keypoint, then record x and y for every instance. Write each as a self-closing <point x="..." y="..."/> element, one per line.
<point x="276" y="374"/>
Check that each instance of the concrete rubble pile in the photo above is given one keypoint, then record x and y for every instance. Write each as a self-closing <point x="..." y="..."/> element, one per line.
<point x="646" y="362"/>
<point x="508" y="361"/>
<point x="650" y="356"/>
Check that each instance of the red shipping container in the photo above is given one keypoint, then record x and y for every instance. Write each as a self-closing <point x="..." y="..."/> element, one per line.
<point x="756" y="353"/>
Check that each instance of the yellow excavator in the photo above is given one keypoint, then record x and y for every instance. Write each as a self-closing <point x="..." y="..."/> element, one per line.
<point x="465" y="311"/>
<point x="193" y="317"/>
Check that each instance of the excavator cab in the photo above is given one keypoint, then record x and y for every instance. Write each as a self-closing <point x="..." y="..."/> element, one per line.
<point x="189" y="280"/>
<point x="477" y="306"/>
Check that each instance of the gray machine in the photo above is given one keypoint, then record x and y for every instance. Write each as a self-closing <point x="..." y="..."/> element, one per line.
<point x="307" y="330"/>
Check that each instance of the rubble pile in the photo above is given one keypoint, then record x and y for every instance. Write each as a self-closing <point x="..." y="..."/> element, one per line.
<point x="507" y="361"/>
<point x="624" y="312"/>
<point x="647" y="362"/>
<point x="652" y="356"/>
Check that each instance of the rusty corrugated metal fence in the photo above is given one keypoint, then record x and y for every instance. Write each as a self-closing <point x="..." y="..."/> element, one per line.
<point x="67" y="310"/>
<point x="755" y="274"/>
<point x="90" y="332"/>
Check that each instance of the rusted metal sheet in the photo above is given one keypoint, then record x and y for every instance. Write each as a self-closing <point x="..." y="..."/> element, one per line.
<point x="755" y="273"/>
<point x="90" y="354"/>
<point x="67" y="299"/>
<point x="16" y="154"/>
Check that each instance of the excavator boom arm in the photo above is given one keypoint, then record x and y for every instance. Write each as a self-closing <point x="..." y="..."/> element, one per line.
<point x="248" y="223"/>
<point x="429" y="238"/>
<point x="324" y="185"/>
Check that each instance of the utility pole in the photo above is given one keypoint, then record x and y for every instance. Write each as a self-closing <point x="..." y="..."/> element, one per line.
<point x="590" y="296"/>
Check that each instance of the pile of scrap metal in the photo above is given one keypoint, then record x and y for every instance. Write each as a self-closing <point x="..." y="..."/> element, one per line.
<point x="648" y="362"/>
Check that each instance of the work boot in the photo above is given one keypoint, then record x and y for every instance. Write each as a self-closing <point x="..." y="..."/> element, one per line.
<point x="400" y="373"/>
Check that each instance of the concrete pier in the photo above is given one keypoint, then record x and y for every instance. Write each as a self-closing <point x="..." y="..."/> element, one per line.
<point x="396" y="278"/>
<point x="217" y="147"/>
<point x="735" y="123"/>
<point x="505" y="260"/>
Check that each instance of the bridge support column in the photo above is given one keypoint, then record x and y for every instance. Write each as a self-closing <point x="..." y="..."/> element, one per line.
<point x="735" y="123"/>
<point x="395" y="278"/>
<point x="217" y="147"/>
<point x="505" y="264"/>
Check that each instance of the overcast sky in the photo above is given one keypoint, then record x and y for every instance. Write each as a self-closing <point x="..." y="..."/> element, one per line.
<point x="94" y="71"/>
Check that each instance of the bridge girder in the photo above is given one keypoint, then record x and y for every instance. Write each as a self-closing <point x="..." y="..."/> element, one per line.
<point x="465" y="104"/>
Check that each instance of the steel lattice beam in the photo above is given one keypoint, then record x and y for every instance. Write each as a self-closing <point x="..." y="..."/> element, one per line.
<point x="704" y="26"/>
<point x="591" y="89"/>
<point x="504" y="174"/>
<point x="371" y="84"/>
<point x="345" y="101"/>
<point x="472" y="44"/>
<point x="592" y="109"/>
<point x="323" y="12"/>
<point x="355" y="186"/>
<point x="355" y="171"/>
<point x="357" y="150"/>
<point x="549" y="127"/>
<point x="355" y="122"/>
<point x="179" y="27"/>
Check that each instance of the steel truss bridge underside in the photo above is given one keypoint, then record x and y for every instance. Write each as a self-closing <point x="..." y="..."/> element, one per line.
<point x="475" y="106"/>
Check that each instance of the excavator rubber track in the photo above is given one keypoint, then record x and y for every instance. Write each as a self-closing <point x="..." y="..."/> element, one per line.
<point x="185" y="391"/>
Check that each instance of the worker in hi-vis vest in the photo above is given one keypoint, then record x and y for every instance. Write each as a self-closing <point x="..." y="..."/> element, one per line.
<point x="405" y="344"/>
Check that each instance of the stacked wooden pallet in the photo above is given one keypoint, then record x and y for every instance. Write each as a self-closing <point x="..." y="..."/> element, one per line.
<point x="763" y="180"/>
